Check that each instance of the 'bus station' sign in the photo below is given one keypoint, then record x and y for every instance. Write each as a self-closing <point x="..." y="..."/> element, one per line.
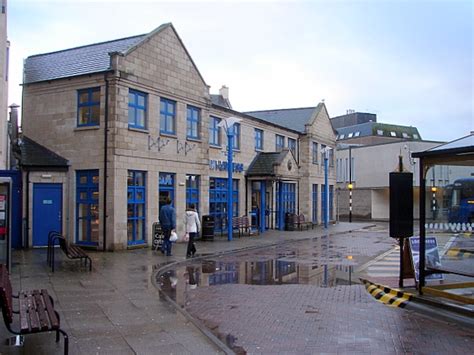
<point x="220" y="165"/>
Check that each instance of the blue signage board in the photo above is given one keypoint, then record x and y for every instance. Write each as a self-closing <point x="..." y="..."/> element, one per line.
<point x="431" y="257"/>
<point x="219" y="165"/>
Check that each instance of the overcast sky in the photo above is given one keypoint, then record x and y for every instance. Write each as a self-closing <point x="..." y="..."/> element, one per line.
<point x="410" y="62"/>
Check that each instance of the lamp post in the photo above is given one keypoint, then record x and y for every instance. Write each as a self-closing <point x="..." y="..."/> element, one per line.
<point x="326" y="186"/>
<point x="433" y="202"/>
<point x="350" y="186"/>
<point x="228" y="124"/>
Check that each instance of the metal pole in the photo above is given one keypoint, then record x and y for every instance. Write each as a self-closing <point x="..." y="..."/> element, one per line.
<point x="230" y="139"/>
<point x="421" y="265"/>
<point x="350" y="185"/>
<point x="326" y="189"/>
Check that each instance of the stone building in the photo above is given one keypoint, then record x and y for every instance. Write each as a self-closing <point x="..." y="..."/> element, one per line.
<point x="124" y="124"/>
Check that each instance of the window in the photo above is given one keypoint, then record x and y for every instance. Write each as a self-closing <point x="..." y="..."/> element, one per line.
<point x="315" y="153"/>
<point x="405" y="135"/>
<point x="258" y="139"/>
<point x="166" y="189"/>
<point x="380" y="132"/>
<point x="415" y="136"/>
<point x="292" y="146"/>
<point x="393" y="134"/>
<point x="315" y="204"/>
<point x="331" y="157"/>
<point x="214" y="132"/>
<point x="341" y="136"/>
<point x="136" y="109"/>
<point x="193" y="121"/>
<point x="236" y="141"/>
<point x="87" y="207"/>
<point x="323" y="147"/>
<point x="88" y="107"/>
<point x="192" y="191"/>
<point x="350" y="135"/>
<point x="167" y="116"/>
<point x="279" y="143"/>
<point x="136" y="199"/>
<point x="357" y="134"/>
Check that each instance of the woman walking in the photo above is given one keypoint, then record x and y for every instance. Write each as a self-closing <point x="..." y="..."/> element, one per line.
<point x="192" y="226"/>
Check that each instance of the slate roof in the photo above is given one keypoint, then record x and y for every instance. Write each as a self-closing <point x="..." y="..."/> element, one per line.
<point x="370" y="129"/>
<point x="461" y="145"/>
<point x="220" y="101"/>
<point x="33" y="154"/>
<point x="293" y="118"/>
<point x="88" y="59"/>
<point x="263" y="164"/>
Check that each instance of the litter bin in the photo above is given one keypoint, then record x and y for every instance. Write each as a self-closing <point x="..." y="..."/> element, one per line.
<point x="289" y="221"/>
<point x="208" y="227"/>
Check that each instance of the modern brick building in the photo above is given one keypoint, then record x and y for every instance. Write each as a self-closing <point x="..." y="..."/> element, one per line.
<point x="111" y="129"/>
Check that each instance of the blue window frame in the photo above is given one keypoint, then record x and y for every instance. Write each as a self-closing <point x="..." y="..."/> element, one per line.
<point x="166" y="189"/>
<point x="315" y="153"/>
<point x="87" y="207"/>
<point x="136" y="203"/>
<point x="137" y="102"/>
<point x="286" y="201"/>
<point x="193" y="122"/>
<point x="315" y="203"/>
<point x="292" y="146"/>
<point x="192" y="191"/>
<point x="331" y="202"/>
<point x="279" y="142"/>
<point x="236" y="141"/>
<point x="218" y="201"/>
<point x="88" y="107"/>
<point x="323" y="202"/>
<point x="258" y="139"/>
<point x="214" y="132"/>
<point x="167" y="116"/>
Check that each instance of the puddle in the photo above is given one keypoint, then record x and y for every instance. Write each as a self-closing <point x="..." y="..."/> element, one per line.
<point x="313" y="262"/>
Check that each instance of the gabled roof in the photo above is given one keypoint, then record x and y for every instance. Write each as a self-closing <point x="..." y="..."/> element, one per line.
<point x="34" y="155"/>
<point x="293" y="118"/>
<point x="89" y="59"/>
<point x="93" y="58"/>
<point x="264" y="163"/>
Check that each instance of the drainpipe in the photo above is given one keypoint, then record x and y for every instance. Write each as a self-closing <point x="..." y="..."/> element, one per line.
<point x="27" y="212"/>
<point x="106" y="138"/>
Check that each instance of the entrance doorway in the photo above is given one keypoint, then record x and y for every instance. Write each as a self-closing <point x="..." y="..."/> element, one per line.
<point x="47" y="216"/>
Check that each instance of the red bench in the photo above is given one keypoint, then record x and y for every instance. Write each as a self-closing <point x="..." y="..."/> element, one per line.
<point x="35" y="310"/>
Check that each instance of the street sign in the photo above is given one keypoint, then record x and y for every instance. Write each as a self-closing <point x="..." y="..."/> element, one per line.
<point x="432" y="257"/>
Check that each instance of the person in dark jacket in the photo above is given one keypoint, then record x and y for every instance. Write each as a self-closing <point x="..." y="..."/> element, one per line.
<point x="168" y="224"/>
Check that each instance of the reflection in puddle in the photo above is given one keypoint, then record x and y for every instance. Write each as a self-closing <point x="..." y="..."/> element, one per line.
<point x="308" y="264"/>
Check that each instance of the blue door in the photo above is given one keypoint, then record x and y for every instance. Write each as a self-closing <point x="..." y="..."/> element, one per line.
<point x="47" y="207"/>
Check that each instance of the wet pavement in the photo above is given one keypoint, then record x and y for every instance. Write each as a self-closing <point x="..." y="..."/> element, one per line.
<point x="304" y="297"/>
<point x="292" y="296"/>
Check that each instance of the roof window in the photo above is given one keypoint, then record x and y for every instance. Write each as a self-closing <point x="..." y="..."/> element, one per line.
<point x="415" y="136"/>
<point x="405" y="135"/>
<point x="380" y="132"/>
<point x="357" y="134"/>
<point x="393" y="134"/>
<point x="341" y="136"/>
<point x="350" y="135"/>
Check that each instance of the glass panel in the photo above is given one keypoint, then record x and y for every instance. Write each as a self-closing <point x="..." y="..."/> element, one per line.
<point x="94" y="114"/>
<point x="140" y="210"/>
<point x="141" y="118"/>
<point x="171" y="108"/>
<point x="95" y="231"/>
<point x="129" y="195"/>
<point x="141" y="100"/>
<point x="130" y="210"/>
<point x="130" y="231"/>
<point x="83" y="97"/>
<point x="131" y="98"/>
<point x="139" y="195"/>
<point x="83" y="195"/>
<point x="96" y="95"/>
<point x="82" y="230"/>
<point x="83" y="115"/>
<point x="83" y="180"/>
<point x="95" y="179"/>
<point x="140" y="235"/>
<point x="171" y="124"/>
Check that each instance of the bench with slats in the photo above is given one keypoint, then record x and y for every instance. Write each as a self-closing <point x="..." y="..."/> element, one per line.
<point x="71" y="251"/>
<point x="35" y="310"/>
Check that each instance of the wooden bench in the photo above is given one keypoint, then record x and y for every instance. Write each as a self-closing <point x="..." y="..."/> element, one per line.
<point x="36" y="310"/>
<point x="71" y="251"/>
<point x="245" y="225"/>
<point x="302" y="223"/>
<point x="298" y="222"/>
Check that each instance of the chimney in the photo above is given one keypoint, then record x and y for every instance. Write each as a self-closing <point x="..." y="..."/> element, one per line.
<point x="14" y="123"/>
<point x="224" y="92"/>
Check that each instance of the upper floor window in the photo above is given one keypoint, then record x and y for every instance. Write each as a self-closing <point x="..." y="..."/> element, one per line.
<point x="405" y="135"/>
<point x="88" y="107"/>
<point x="167" y="116"/>
<point x="315" y="153"/>
<point x="393" y="134"/>
<point x="341" y="136"/>
<point x="357" y="134"/>
<point x="380" y="132"/>
<point x="323" y="152"/>
<point x="292" y="146"/>
<point x="415" y="136"/>
<point x="193" y="121"/>
<point x="350" y="135"/>
<point x="136" y="109"/>
<point x="236" y="141"/>
<point x="214" y="132"/>
<point x="279" y="142"/>
<point x="258" y="139"/>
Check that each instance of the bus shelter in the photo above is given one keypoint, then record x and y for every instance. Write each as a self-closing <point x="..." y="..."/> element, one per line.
<point x="446" y="200"/>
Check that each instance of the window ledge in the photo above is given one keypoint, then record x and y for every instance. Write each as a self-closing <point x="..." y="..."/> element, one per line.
<point x="141" y="130"/>
<point x="170" y="135"/>
<point x="215" y="146"/>
<point x="197" y="140"/>
<point x="86" y="128"/>
<point x="258" y="150"/>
